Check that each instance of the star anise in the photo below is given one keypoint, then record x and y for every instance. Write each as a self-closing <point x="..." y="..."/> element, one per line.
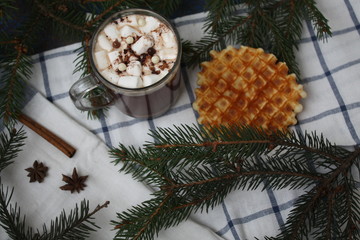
<point x="37" y="172"/>
<point x="74" y="183"/>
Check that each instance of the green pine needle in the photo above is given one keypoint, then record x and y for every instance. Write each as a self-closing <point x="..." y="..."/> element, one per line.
<point x="275" y="26"/>
<point x="194" y="169"/>
<point x="11" y="142"/>
<point x="10" y="216"/>
<point x="77" y="224"/>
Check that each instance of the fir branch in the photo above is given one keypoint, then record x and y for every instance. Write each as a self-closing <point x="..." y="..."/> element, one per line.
<point x="15" y="67"/>
<point x="141" y="171"/>
<point x="77" y="224"/>
<point x="6" y="8"/>
<point x="46" y="11"/>
<point x="302" y="218"/>
<point x="319" y="21"/>
<point x="104" y="13"/>
<point x="352" y="205"/>
<point x="10" y="145"/>
<point x="194" y="174"/>
<point x="275" y="26"/>
<point x="11" y="142"/>
<point x="199" y="51"/>
<point x="223" y="11"/>
<point x="15" y="70"/>
<point x="10" y="216"/>
<point x="15" y="42"/>
<point x="83" y="57"/>
<point x="165" y="7"/>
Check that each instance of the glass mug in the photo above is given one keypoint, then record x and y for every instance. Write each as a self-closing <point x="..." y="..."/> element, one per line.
<point x="95" y="92"/>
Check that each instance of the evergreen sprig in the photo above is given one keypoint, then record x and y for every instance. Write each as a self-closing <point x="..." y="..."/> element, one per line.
<point x="194" y="169"/>
<point x="10" y="216"/>
<point x="15" y="63"/>
<point x="275" y="26"/>
<point x="78" y="224"/>
<point x="10" y="146"/>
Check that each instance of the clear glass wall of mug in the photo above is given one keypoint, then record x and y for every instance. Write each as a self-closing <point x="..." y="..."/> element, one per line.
<point x="135" y="58"/>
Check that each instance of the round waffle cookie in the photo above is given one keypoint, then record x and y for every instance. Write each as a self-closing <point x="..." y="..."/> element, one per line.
<point x="247" y="86"/>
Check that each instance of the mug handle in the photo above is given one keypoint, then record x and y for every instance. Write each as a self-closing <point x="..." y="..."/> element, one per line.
<point x="88" y="94"/>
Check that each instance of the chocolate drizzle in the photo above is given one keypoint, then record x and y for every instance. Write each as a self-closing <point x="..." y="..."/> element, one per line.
<point x="116" y="44"/>
<point x="164" y="65"/>
<point x="143" y="58"/>
<point x="151" y="51"/>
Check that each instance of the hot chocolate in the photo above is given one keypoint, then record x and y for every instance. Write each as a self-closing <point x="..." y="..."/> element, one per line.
<point x="135" y="51"/>
<point x="135" y="58"/>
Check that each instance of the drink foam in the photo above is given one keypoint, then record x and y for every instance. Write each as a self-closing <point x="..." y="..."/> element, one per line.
<point x="135" y="51"/>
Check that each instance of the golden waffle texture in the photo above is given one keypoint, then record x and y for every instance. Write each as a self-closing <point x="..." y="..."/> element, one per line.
<point x="247" y="86"/>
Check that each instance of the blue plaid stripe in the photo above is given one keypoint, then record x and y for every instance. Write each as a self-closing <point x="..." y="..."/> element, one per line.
<point x="118" y="125"/>
<point x="334" y="33"/>
<point x="230" y="223"/>
<point x="105" y="131"/>
<point x="334" y="87"/>
<point x="255" y="216"/>
<point x="275" y="207"/>
<point x="45" y="77"/>
<point x="330" y="112"/>
<point x="335" y="70"/>
<point x="353" y="15"/>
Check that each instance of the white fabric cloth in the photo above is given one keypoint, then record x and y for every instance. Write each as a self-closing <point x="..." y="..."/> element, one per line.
<point x="330" y="75"/>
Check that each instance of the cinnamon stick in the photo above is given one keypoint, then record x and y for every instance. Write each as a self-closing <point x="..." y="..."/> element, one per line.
<point x="49" y="136"/>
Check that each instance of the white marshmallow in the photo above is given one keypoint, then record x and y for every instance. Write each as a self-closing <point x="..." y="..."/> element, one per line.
<point x="133" y="58"/>
<point x="127" y="31"/>
<point x="167" y="53"/>
<point x="151" y="79"/>
<point x="110" y="75"/>
<point x="113" y="56"/>
<point x="134" y="68"/>
<point x="101" y="60"/>
<point x="157" y="40"/>
<point x="111" y="31"/>
<point x="131" y="20"/>
<point x="130" y="82"/>
<point x="169" y="39"/>
<point x="104" y="43"/>
<point x="143" y="44"/>
<point x="150" y="24"/>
